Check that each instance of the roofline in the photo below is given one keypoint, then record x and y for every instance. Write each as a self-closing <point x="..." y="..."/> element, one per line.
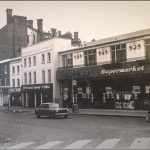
<point x="116" y="39"/>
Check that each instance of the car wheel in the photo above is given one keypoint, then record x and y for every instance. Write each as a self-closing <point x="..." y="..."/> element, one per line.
<point x="66" y="116"/>
<point x="38" y="116"/>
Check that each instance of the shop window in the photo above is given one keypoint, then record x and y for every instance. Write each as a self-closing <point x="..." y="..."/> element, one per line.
<point x="34" y="77"/>
<point x="147" y="89"/>
<point x="34" y="60"/>
<point x="90" y="57"/>
<point x="49" y="75"/>
<point x="18" y="82"/>
<point x="43" y="76"/>
<point x="43" y="58"/>
<point x="48" y="57"/>
<point x="67" y="60"/>
<point x="118" y="53"/>
<point x="13" y="82"/>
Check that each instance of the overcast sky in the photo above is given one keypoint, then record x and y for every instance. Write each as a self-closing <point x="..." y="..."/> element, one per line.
<point x="92" y="19"/>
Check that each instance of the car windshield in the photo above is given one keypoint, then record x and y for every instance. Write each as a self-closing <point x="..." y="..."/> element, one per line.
<point x="54" y="105"/>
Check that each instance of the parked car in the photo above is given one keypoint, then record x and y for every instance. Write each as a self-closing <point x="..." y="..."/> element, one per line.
<point x="52" y="110"/>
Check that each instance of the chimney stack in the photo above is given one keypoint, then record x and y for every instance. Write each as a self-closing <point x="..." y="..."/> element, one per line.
<point x="40" y="24"/>
<point x="29" y="23"/>
<point x="76" y="36"/>
<point x="53" y="32"/>
<point x="9" y="15"/>
<point x="59" y="33"/>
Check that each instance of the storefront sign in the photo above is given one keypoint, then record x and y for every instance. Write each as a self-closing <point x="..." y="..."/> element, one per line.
<point x="15" y="90"/>
<point x="122" y="70"/>
<point x="36" y="87"/>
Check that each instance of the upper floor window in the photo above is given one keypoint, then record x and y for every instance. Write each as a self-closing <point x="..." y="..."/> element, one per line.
<point x="29" y="61"/>
<point x="18" y="69"/>
<point x="49" y="75"/>
<point x="43" y="76"/>
<point x="25" y="62"/>
<point x="18" y="82"/>
<point x="90" y="57"/>
<point x="30" y="78"/>
<point x="5" y="82"/>
<point x="34" y="77"/>
<point x="118" y="53"/>
<point x="13" y="70"/>
<point x="25" y="78"/>
<point x="48" y="57"/>
<point x="34" y="60"/>
<point x="5" y="69"/>
<point x="67" y="60"/>
<point x="13" y="82"/>
<point x="43" y="58"/>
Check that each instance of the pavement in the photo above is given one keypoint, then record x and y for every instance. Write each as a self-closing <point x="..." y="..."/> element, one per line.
<point x="97" y="112"/>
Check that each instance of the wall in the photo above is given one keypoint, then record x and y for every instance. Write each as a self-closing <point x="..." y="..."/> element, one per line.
<point x="31" y="34"/>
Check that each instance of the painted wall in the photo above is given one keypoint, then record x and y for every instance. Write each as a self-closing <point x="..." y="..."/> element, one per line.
<point x="103" y="55"/>
<point x="135" y="50"/>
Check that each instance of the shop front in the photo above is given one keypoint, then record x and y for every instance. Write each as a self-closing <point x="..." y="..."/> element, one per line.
<point x="112" y="86"/>
<point x="35" y="94"/>
<point x="15" y="96"/>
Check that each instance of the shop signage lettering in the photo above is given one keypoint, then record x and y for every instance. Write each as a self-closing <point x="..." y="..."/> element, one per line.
<point x="36" y="87"/>
<point x="122" y="70"/>
<point x="15" y="90"/>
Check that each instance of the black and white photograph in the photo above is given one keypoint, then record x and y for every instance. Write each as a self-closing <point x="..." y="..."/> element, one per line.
<point x="75" y="75"/>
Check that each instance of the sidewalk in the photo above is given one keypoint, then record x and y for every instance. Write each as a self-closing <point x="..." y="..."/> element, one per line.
<point x="96" y="112"/>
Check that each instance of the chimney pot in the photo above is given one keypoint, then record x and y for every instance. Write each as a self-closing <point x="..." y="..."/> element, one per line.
<point x="76" y="36"/>
<point x="59" y="33"/>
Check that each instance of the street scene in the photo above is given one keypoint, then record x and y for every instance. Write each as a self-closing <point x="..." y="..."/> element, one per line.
<point x="74" y="75"/>
<point x="76" y="132"/>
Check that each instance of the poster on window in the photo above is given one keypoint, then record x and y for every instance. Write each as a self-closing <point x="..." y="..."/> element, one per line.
<point x="79" y="90"/>
<point x="147" y="89"/>
<point x="108" y="90"/>
<point x="88" y="90"/>
<point x="136" y="89"/>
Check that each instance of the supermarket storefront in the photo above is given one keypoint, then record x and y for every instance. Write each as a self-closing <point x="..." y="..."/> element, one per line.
<point x="115" y="86"/>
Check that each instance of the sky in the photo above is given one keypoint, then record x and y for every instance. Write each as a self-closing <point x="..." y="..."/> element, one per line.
<point x="92" y="19"/>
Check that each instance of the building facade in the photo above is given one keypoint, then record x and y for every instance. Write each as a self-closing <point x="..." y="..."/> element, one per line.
<point x="39" y="65"/>
<point x="4" y="81"/>
<point x="109" y="73"/>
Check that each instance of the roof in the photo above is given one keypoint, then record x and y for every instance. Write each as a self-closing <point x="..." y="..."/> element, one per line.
<point x="113" y="39"/>
<point x="121" y="37"/>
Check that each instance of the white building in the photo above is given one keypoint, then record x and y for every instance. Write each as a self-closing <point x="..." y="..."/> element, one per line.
<point x="15" y="81"/>
<point x="39" y="65"/>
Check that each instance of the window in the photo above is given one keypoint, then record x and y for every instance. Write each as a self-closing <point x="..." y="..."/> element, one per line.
<point x="25" y="62"/>
<point x="118" y="53"/>
<point x="34" y="60"/>
<point x="5" y="83"/>
<point x="18" y="82"/>
<point x="5" y="69"/>
<point x="67" y="60"/>
<point x="49" y="75"/>
<point x="13" y="82"/>
<point x="18" y="69"/>
<point x="13" y="70"/>
<point x="30" y="78"/>
<point x="48" y="57"/>
<point x="25" y="78"/>
<point x="90" y="57"/>
<point x="43" y="58"/>
<point x="29" y="61"/>
<point x="43" y="76"/>
<point x="34" y="77"/>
